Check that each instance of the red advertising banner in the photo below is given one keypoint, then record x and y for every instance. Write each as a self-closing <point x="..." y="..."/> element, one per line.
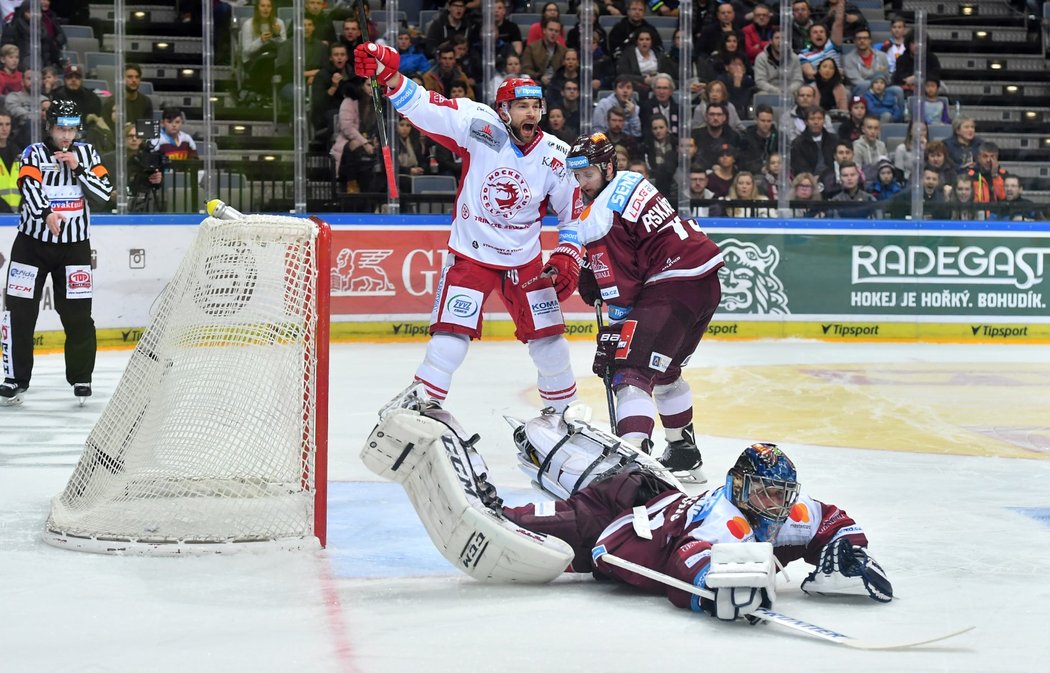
<point x="393" y="271"/>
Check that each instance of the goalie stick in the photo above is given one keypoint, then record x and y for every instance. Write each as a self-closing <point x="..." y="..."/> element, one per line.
<point x="770" y="616"/>
<point x="377" y="103"/>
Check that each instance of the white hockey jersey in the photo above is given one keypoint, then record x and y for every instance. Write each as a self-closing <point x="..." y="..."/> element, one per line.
<point x="505" y="190"/>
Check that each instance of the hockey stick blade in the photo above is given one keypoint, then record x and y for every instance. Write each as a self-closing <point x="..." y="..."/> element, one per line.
<point x="770" y="616"/>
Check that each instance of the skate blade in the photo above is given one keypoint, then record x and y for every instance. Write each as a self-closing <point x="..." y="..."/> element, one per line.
<point x="696" y="476"/>
<point x="11" y="401"/>
<point x="412" y="397"/>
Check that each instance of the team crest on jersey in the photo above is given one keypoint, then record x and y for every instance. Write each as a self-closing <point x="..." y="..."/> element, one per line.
<point x="505" y="193"/>
<point x="487" y="134"/>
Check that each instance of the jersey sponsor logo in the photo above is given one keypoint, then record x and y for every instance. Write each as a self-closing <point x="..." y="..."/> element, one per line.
<point x="578" y="211"/>
<point x="407" y="93"/>
<point x="464" y="212"/>
<point x="659" y="361"/>
<point x="749" y="280"/>
<point x="475" y="548"/>
<point x="738" y="527"/>
<point x="49" y="167"/>
<point x="799" y="512"/>
<point x="78" y="282"/>
<point x="438" y="99"/>
<point x="21" y="280"/>
<point x="622" y="189"/>
<point x="505" y="193"/>
<point x="486" y="134"/>
<point x="67" y="205"/>
<point x="461" y="306"/>
<point x="618" y="312"/>
<point x="638" y="201"/>
<point x="623" y="346"/>
<point x="544" y="308"/>
<point x="556" y="165"/>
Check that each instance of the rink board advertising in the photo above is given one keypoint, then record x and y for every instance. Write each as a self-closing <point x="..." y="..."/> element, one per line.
<point x="823" y="283"/>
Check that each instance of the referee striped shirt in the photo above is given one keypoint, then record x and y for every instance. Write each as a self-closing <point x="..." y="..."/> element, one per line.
<point x="48" y="185"/>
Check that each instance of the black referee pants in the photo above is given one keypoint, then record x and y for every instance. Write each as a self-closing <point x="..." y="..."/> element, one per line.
<point x="51" y="259"/>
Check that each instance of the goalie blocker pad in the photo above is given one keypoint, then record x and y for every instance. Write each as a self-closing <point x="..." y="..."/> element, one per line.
<point x="434" y="468"/>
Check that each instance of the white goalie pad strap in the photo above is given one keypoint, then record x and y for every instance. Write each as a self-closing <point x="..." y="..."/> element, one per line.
<point x="433" y="467"/>
<point x="568" y="455"/>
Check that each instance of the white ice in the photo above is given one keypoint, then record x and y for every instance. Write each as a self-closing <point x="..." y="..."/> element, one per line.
<point x="964" y="538"/>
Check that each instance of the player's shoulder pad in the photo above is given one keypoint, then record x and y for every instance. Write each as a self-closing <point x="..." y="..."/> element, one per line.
<point x="486" y="127"/>
<point x="623" y="185"/>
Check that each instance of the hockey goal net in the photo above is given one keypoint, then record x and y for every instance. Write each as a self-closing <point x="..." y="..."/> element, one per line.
<point x="216" y="435"/>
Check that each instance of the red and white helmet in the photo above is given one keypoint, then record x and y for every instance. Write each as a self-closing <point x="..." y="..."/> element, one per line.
<point x="518" y="88"/>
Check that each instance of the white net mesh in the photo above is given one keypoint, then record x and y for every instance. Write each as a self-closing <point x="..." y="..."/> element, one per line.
<point x="209" y="436"/>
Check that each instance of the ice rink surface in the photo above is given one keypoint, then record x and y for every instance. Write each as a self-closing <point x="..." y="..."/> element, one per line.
<point x="939" y="451"/>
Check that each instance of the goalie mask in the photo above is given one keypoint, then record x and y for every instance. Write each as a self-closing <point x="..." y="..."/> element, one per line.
<point x="763" y="484"/>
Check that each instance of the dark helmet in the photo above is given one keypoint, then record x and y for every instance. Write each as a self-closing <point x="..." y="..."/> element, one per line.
<point x="591" y="150"/>
<point x="763" y="484"/>
<point x="64" y="112"/>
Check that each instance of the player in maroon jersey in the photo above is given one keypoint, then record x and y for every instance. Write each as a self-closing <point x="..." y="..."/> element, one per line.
<point x="657" y="275"/>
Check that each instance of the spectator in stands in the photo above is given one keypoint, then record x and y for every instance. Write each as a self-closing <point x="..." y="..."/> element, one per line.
<point x="740" y="87"/>
<point x="698" y="191"/>
<point x="623" y="97"/>
<point x="352" y="34"/>
<point x="904" y="72"/>
<point x="662" y="102"/>
<point x="761" y="140"/>
<point x="717" y="92"/>
<point x="554" y="123"/>
<point x="445" y="71"/>
<point x="831" y="179"/>
<point x="21" y="105"/>
<point x="720" y="177"/>
<point x="615" y="131"/>
<point x="793" y="121"/>
<point x="714" y="135"/>
<point x="664" y="7"/>
<point x="569" y="71"/>
<point x="759" y="32"/>
<point x="823" y="45"/>
<point x="894" y="46"/>
<point x="354" y="152"/>
<point x="661" y="156"/>
<point x="599" y="37"/>
<point x="743" y="189"/>
<point x="729" y="45"/>
<point x="801" y="21"/>
<point x="937" y="157"/>
<point x="508" y="33"/>
<point x="143" y="170"/>
<point x="72" y="89"/>
<point x="411" y="155"/>
<point x="469" y="61"/>
<point x="903" y="156"/>
<point x="767" y="180"/>
<point x="570" y="103"/>
<point x="414" y="61"/>
<point x="1017" y="207"/>
<point x="869" y="148"/>
<point x="852" y="192"/>
<point x="622" y="34"/>
<point x="173" y="142"/>
<point x="260" y="39"/>
<point x="9" y="167"/>
<point x="804" y="188"/>
<point x="10" y="76"/>
<point x="623" y="158"/>
<point x="712" y="36"/>
<point x="542" y="58"/>
<point x="641" y="62"/>
<point x="863" y="63"/>
<point x="768" y="64"/>
<point x="831" y="92"/>
<point x="510" y="67"/>
<point x="52" y="39"/>
<point x="853" y="18"/>
<point x="450" y="21"/>
<point x="933" y="199"/>
<point x="137" y="105"/>
<point x="986" y="175"/>
<point x="960" y="201"/>
<point x="550" y="11"/>
<point x="935" y="108"/>
<point x="963" y="144"/>
<point x="331" y="86"/>
<point x="813" y="151"/>
<point x="852" y="128"/>
<point x="888" y="182"/>
<point x="323" y="29"/>
<point x="883" y="101"/>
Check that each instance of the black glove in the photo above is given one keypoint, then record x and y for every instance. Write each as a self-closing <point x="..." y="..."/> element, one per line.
<point x="588" y="287"/>
<point x="846" y="569"/>
<point x="608" y="342"/>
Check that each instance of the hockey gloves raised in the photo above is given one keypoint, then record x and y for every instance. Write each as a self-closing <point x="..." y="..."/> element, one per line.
<point x="588" y="287"/>
<point x="846" y="569"/>
<point x="565" y="265"/>
<point x="743" y="577"/>
<point x="376" y="60"/>
<point x="608" y="342"/>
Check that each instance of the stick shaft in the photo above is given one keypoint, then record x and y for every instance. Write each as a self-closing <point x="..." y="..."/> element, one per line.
<point x="610" y="400"/>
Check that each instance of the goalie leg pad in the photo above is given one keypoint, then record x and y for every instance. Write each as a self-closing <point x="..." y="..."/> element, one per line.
<point x="743" y="577"/>
<point x="435" y="470"/>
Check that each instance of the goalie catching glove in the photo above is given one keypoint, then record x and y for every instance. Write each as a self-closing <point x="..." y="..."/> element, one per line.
<point x="846" y="569"/>
<point x="376" y="60"/>
<point x="743" y="577"/>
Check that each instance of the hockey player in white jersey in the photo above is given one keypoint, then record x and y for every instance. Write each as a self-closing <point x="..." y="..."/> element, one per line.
<point x="513" y="174"/>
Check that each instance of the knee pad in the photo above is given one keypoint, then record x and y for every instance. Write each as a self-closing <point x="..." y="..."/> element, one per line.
<point x="632" y="376"/>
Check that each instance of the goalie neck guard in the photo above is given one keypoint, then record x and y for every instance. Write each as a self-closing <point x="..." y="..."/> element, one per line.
<point x="763" y="484"/>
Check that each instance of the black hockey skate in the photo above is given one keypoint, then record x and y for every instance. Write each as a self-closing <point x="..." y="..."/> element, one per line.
<point x="683" y="458"/>
<point x="11" y="392"/>
<point x="82" y="391"/>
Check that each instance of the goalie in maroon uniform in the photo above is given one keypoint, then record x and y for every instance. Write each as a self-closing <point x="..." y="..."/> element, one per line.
<point x="657" y="275"/>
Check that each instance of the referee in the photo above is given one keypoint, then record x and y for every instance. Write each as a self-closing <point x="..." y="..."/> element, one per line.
<point x="53" y="240"/>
